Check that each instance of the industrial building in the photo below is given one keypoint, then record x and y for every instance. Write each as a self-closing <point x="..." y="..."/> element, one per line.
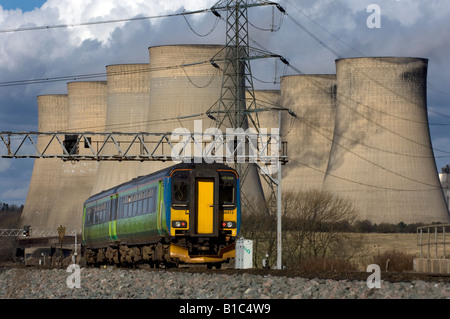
<point x="361" y="133"/>
<point x="444" y="177"/>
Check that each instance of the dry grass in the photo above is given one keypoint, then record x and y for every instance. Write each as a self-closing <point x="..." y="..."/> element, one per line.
<point x="371" y="248"/>
<point x="377" y="248"/>
<point x="326" y="264"/>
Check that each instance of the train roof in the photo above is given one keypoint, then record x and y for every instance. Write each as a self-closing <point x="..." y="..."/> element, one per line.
<point x="154" y="176"/>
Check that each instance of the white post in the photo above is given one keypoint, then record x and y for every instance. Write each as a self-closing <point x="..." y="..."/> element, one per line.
<point x="279" y="262"/>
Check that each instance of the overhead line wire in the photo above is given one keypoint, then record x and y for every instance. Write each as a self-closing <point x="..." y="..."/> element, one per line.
<point x="364" y="184"/>
<point x="341" y="57"/>
<point x="70" y="25"/>
<point x="96" y="75"/>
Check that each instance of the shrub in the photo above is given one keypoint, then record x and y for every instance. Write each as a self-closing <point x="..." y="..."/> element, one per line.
<point x="394" y="260"/>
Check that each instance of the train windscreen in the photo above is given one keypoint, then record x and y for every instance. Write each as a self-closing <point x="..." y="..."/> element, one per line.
<point x="227" y="192"/>
<point x="180" y="189"/>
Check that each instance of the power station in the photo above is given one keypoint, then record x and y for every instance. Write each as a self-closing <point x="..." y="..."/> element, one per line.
<point x="361" y="134"/>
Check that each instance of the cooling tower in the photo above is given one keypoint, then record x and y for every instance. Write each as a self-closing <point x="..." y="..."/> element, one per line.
<point x="179" y="87"/>
<point x="127" y="111"/>
<point x="183" y="86"/>
<point x="87" y="113"/>
<point x="309" y="137"/>
<point x="41" y="197"/>
<point x="381" y="156"/>
<point x="267" y="99"/>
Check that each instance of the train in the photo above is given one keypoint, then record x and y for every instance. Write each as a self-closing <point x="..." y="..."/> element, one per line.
<point x="188" y="213"/>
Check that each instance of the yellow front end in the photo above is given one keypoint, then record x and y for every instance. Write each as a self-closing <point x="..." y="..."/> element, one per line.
<point x="182" y="254"/>
<point x="179" y="221"/>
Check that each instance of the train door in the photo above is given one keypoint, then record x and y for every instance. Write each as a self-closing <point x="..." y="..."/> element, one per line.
<point x="205" y="205"/>
<point x="113" y="221"/>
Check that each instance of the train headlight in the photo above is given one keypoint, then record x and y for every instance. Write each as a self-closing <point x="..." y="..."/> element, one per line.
<point x="228" y="224"/>
<point x="179" y="224"/>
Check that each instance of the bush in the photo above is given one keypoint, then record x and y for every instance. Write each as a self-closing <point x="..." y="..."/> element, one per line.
<point x="394" y="260"/>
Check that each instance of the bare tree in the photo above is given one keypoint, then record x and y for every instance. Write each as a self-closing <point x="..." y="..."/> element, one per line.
<point x="312" y="228"/>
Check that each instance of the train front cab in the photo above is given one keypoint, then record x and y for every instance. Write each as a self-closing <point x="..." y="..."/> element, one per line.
<point x="204" y="215"/>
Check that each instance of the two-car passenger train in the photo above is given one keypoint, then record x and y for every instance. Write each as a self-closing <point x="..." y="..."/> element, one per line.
<point x="187" y="213"/>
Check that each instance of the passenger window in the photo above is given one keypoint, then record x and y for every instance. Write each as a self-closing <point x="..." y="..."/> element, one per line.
<point x="135" y="205"/>
<point x="144" y="206"/>
<point x="125" y="210"/>
<point x="139" y="207"/>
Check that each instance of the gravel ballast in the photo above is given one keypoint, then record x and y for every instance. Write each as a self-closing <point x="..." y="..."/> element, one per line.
<point x="114" y="283"/>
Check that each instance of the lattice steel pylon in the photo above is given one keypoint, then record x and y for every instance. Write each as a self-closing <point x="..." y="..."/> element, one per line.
<point x="231" y="110"/>
<point x="237" y="106"/>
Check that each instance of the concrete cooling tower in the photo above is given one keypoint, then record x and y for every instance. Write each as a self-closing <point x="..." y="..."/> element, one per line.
<point x="127" y="111"/>
<point x="41" y="197"/>
<point x="179" y="87"/>
<point x="309" y="137"/>
<point x="87" y="113"/>
<point x="183" y="83"/>
<point x="381" y="157"/>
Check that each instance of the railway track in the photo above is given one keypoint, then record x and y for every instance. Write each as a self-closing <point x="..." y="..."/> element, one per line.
<point x="406" y="276"/>
<point x="322" y="274"/>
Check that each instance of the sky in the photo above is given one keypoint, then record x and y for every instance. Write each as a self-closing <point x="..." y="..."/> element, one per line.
<point x="414" y="28"/>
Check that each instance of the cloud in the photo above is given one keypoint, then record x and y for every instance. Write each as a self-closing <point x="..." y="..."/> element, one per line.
<point x="408" y="28"/>
<point x="4" y="166"/>
<point x="14" y="195"/>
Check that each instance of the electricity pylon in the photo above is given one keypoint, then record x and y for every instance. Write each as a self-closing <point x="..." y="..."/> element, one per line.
<point x="237" y="107"/>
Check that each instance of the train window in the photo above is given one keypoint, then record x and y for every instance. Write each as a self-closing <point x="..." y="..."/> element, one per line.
<point x="227" y="189"/>
<point x="135" y="209"/>
<point x="125" y="210"/>
<point x="139" y="209"/>
<point x="180" y="189"/>
<point x="152" y="200"/>
<point x="151" y="205"/>
<point x="145" y="206"/>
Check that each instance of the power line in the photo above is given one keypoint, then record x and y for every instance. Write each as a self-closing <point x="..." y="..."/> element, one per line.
<point x="301" y="26"/>
<point x="434" y="188"/>
<point x="206" y="34"/>
<point x="342" y="100"/>
<point x="320" y="26"/>
<point x="310" y="33"/>
<point x="96" y="75"/>
<point x="334" y="142"/>
<point x="72" y="25"/>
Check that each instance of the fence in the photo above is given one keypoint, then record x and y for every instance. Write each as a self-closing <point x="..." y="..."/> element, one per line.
<point x="434" y="238"/>
<point x="30" y="234"/>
